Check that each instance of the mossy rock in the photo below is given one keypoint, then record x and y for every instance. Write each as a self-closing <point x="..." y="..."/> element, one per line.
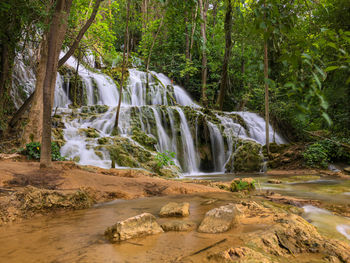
<point x="89" y="132"/>
<point x="103" y="140"/>
<point x="247" y="158"/>
<point x="94" y="109"/>
<point x="244" y="184"/>
<point x="144" y="139"/>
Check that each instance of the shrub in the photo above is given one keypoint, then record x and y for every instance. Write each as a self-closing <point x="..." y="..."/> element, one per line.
<point x="242" y="185"/>
<point x="164" y="159"/>
<point x="32" y="151"/>
<point x="316" y="155"/>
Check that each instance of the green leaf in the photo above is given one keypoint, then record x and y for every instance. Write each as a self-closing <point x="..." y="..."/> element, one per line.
<point x="317" y="80"/>
<point x="326" y="117"/>
<point x="331" y="68"/>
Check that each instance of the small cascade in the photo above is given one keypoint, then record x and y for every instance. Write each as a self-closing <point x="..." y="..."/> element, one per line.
<point x="218" y="148"/>
<point x="257" y="129"/>
<point x="190" y="155"/>
<point x="163" y="138"/>
<point x="153" y="111"/>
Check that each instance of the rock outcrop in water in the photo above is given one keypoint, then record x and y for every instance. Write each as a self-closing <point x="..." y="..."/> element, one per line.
<point x="137" y="226"/>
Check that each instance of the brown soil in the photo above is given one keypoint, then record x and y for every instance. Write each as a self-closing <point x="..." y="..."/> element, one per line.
<point x="56" y="187"/>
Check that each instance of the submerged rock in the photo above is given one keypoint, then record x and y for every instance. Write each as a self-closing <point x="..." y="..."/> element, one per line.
<point x="274" y="181"/>
<point x="240" y="255"/>
<point x="219" y="220"/>
<point x="137" y="226"/>
<point x="173" y="209"/>
<point x="178" y="226"/>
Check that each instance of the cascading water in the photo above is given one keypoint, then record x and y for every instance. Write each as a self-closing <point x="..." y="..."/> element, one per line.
<point x="155" y="107"/>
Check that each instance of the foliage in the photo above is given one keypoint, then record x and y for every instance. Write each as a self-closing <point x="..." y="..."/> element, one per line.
<point x="242" y="185"/>
<point x="316" y="156"/>
<point x="32" y="151"/>
<point x="164" y="159"/>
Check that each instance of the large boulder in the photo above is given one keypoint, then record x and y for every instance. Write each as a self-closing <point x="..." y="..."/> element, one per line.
<point x="219" y="220"/>
<point x="173" y="209"/>
<point x="247" y="158"/>
<point x="137" y="226"/>
<point x="178" y="226"/>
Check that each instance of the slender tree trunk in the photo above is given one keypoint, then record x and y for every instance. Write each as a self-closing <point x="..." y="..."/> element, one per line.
<point x="76" y="80"/>
<point x="80" y="34"/>
<point x="193" y="29"/>
<point x="204" y="9"/>
<point x="228" y="46"/>
<point x="56" y="35"/>
<point x="125" y="64"/>
<point x="187" y="45"/>
<point x="266" y="76"/>
<point x="215" y="12"/>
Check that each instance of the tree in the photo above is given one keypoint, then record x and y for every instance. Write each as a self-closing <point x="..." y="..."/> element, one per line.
<point x="56" y="34"/>
<point x="57" y="31"/>
<point x="33" y="129"/>
<point x="125" y="63"/>
<point x="228" y="46"/>
<point x="204" y="4"/>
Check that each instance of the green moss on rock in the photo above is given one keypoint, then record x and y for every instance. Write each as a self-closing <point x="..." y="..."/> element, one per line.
<point x="247" y="158"/>
<point x="89" y="132"/>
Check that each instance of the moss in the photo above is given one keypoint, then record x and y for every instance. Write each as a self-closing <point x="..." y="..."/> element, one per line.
<point x="247" y="158"/>
<point x="89" y="132"/>
<point x="144" y="139"/>
<point x="94" y="109"/>
<point x="245" y="184"/>
<point x="99" y="154"/>
<point x="103" y="140"/>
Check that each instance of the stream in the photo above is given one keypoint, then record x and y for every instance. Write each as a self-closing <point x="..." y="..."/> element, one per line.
<point x="77" y="236"/>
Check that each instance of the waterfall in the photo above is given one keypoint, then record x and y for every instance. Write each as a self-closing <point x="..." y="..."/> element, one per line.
<point x="162" y="110"/>
<point x="190" y="155"/>
<point x="218" y="147"/>
<point x="257" y="128"/>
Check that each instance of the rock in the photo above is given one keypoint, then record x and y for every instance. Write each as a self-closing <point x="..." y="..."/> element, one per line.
<point x="247" y="158"/>
<point x="178" y="226"/>
<point x="239" y="254"/>
<point x="274" y="181"/>
<point x="175" y="209"/>
<point x="347" y="169"/>
<point x="137" y="226"/>
<point x="219" y="220"/>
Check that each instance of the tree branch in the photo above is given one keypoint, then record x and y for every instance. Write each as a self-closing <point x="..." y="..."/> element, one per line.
<point x="80" y="35"/>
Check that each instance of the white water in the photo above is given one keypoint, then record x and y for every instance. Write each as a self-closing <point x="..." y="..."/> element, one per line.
<point x="257" y="128"/>
<point x="168" y="125"/>
<point x="324" y="219"/>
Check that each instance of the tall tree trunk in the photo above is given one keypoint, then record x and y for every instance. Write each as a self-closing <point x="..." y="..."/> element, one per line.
<point x="266" y="76"/>
<point x="204" y="9"/>
<point x="33" y="129"/>
<point x="193" y="29"/>
<point x="228" y="46"/>
<point x="187" y="45"/>
<point x="75" y="90"/>
<point x="57" y="31"/>
<point x="125" y="64"/>
<point x="215" y="12"/>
